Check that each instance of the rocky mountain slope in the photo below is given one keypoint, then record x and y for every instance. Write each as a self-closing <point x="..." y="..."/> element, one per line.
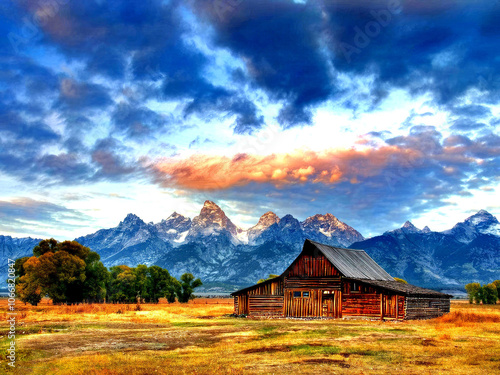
<point x="470" y="251"/>
<point x="213" y="248"/>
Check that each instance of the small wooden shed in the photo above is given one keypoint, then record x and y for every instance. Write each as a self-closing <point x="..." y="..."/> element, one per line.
<point x="327" y="281"/>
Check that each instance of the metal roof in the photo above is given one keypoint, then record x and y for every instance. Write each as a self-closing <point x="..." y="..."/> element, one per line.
<point x="406" y="289"/>
<point x="355" y="264"/>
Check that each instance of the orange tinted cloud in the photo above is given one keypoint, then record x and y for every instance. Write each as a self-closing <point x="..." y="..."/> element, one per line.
<point x="205" y="172"/>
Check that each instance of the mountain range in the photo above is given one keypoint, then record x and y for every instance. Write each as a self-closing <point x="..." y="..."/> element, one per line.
<point x="213" y="248"/>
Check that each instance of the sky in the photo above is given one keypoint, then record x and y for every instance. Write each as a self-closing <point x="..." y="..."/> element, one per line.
<point x="376" y="111"/>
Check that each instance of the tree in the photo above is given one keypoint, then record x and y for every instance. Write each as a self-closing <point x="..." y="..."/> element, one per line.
<point x="400" y="280"/>
<point x="489" y="294"/>
<point x="271" y="276"/>
<point x="121" y="285"/>
<point x="141" y="282"/>
<point x="63" y="270"/>
<point x="497" y="285"/>
<point x="94" y="288"/>
<point x="473" y="291"/>
<point x="158" y="283"/>
<point x="186" y="286"/>
<point x="173" y="286"/>
<point x="27" y="289"/>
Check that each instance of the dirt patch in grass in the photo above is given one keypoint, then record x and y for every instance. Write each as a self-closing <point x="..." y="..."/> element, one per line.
<point x="269" y="349"/>
<point x="337" y="362"/>
<point x="423" y="363"/>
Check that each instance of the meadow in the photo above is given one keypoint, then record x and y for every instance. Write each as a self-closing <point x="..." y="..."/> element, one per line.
<point x="200" y="338"/>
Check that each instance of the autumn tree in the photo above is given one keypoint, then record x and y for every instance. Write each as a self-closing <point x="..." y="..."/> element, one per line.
<point x="185" y="289"/>
<point x="271" y="276"/>
<point x="65" y="271"/>
<point x="27" y="289"/>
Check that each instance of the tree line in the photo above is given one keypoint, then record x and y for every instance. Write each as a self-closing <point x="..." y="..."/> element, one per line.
<point x="68" y="272"/>
<point x="486" y="294"/>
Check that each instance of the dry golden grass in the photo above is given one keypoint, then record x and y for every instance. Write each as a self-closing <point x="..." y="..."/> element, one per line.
<point x="198" y="338"/>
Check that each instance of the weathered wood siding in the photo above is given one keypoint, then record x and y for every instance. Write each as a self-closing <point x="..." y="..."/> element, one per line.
<point x="236" y="311"/>
<point x="303" y="306"/>
<point x="241" y="304"/>
<point x="361" y="305"/>
<point x="273" y="288"/>
<point x="426" y="308"/>
<point x="265" y="306"/>
<point x="312" y="266"/>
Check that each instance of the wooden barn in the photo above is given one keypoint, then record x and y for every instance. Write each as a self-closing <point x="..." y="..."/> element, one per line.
<point x="326" y="281"/>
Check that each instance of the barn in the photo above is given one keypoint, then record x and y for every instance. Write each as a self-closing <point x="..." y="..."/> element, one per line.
<point x="333" y="282"/>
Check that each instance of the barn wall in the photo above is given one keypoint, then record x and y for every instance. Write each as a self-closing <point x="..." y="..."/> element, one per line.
<point x="265" y="306"/>
<point x="274" y="288"/>
<point x="303" y="306"/>
<point x="312" y="266"/>
<point x="426" y="308"/>
<point x="361" y="305"/>
<point x="236" y="305"/>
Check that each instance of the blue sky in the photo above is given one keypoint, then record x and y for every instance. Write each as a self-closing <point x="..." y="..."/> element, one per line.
<point x="375" y="111"/>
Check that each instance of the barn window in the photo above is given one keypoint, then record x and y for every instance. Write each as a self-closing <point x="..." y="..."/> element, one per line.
<point x="354" y="287"/>
<point x="296" y="294"/>
<point x="305" y="294"/>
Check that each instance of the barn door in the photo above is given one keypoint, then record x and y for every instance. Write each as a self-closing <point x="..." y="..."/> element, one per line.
<point x="332" y="307"/>
<point x="389" y="306"/>
<point x="243" y="304"/>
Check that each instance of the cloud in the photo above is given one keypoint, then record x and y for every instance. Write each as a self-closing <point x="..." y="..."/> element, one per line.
<point x="81" y="95"/>
<point x="111" y="164"/>
<point x="137" y="120"/>
<point x="415" y="173"/>
<point x="21" y="215"/>
<point x="278" y="41"/>
<point x="330" y="167"/>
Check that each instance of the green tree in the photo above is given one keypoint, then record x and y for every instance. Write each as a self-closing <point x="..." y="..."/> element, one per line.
<point x="121" y="284"/>
<point x="489" y="294"/>
<point x="473" y="291"/>
<point x="141" y="282"/>
<point x="186" y="286"/>
<point x="171" y="291"/>
<point x="158" y="283"/>
<point x="94" y="288"/>
<point x="497" y="285"/>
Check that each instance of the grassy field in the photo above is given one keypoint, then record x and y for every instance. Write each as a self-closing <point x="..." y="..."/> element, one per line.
<point x="198" y="338"/>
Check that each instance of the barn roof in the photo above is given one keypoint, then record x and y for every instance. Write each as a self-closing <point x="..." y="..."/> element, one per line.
<point x="402" y="288"/>
<point x="355" y="264"/>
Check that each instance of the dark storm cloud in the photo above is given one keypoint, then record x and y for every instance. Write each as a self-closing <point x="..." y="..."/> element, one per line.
<point x="441" y="48"/>
<point x="279" y="42"/>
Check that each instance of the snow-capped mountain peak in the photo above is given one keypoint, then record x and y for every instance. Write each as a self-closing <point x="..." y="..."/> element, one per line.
<point x="327" y="228"/>
<point x="481" y="222"/>
<point x="131" y="220"/>
<point x="212" y="220"/>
